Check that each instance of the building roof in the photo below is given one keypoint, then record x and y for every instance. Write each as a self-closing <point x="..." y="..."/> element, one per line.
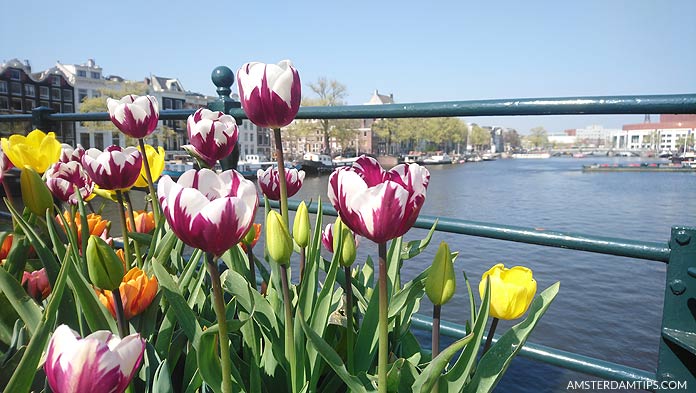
<point x="380" y="99"/>
<point x="161" y="83"/>
<point x="666" y="122"/>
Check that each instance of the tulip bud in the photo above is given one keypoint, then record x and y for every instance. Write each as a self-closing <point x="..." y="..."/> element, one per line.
<point x="348" y="249"/>
<point x="103" y="265"/>
<point x="35" y="194"/>
<point x="278" y="240"/>
<point x="300" y="227"/>
<point x="440" y="283"/>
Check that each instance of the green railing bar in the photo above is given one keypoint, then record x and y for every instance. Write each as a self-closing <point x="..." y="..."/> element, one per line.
<point x="603" y="245"/>
<point x="653" y="104"/>
<point x="568" y="360"/>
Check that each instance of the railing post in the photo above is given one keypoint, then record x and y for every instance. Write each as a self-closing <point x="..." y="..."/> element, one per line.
<point x="223" y="78"/>
<point x="678" y="336"/>
<point x="39" y="118"/>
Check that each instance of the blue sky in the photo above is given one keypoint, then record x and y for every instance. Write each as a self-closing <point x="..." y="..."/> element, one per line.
<point x="419" y="51"/>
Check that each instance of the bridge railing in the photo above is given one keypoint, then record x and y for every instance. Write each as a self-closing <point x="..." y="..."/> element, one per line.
<point x="677" y="351"/>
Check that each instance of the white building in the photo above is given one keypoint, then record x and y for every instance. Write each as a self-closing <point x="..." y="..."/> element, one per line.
<point x="669" y="134"/>
<point x="594" y="135"/>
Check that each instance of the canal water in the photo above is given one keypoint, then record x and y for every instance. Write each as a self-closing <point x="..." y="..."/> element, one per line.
<point x="608" y="307"/>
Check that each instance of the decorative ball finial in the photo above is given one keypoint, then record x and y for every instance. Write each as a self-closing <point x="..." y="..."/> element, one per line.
<point x="223" y="78"/>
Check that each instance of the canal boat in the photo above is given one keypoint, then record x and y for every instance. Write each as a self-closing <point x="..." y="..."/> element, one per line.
<point x="642" y="167"/>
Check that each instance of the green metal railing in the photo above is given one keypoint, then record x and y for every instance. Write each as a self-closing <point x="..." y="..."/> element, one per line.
<point x="677" y="352"/>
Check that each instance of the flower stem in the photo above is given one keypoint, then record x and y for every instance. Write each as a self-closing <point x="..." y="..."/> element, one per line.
<point x="289" y="328"/>
<point x="436" y="338"/>
<point x="383" y="355"/>
<point x="303" y="252"/>
<point x="219" y="305"/>
<point x="8" y="192"/>
<point x="281" y="176"/>
<point x="489" y="339"/>
<point x="138" y="257"/>
<point x="150" y="183"/>
<point x="350" y="332"/>
<point x="252" y="266"/>
<point x="124" y="228"/>
<point x="120" y="315"/>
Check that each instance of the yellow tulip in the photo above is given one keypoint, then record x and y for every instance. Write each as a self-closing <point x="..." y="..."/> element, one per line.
<point x="36" y="150"/>
<point x="155" y="157"/>
<point x="512" y="290"/>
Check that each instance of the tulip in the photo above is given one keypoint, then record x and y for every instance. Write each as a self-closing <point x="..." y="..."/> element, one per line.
<point x="278" y="240"/>
<point x="300" y="227"/>
<point x="512" y="290"/>
<point x="208" y="211"/>
<point x="213" y="135"/>
<point x="144" y="222"/>
<point x="155" y="157"/>
<point x="135" y="116"/>
<point x="5" y="247"/>
<point x="5" y="164"/>
<point x="114" y="168"/>
<point x="100" y="362"/>
<point x="327" y="237"/>
<point x="95" y="225"/>
<point x="36" y="284"/>
<point x="69" y="153"/>
<point x="270" y="184"/>
<point x="440" y="283"/>
<point x="137" y="292"/>
<point x="252" y="237"/>
<point x="61" y="179"/>
<point x="103" y="265"/>
<point x="36" y="150"/>
<point x="270" y="93"/>
<point x="377" y="204"/>
<point x="35" y="194"/>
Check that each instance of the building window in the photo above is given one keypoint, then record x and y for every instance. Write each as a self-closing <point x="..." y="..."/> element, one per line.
<point x="95" y="75"/>
<point x="634" y="138"/>
<point x="16" y="89"/>
<point x="3" y="87"/>
<point x="82" y="73"/>
<point x="55" y="94"/>
<point x="4" y="104"/>
<point x="55" y="106"/>
<point x="55" y="81"/>
<point x="178" y="104"/>
<point x="43" y="91"/>
<point x="84" y="140"/>
<point x="99" y="140"/>
<point x="81" y="94"/>
<point x="29" y="105"/>
<point x="15" y="74"/>
<point x="167" y="103"/>
<point x="67" y="95"/>
<point x="67" y="108"/>
<point x="96" y="94"/>
<point x="17" y="104"/>
<point x="29" y="90"/>
<point x="43" y="103"/>
<point x="115" y="138"/>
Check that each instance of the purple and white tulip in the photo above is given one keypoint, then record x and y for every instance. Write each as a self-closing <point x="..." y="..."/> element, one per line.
<point x="61" y="179"/>
<point x="100" y="362"/>
<point x="69" y="153"/>
<point x="209" y="211"/>
<point x="269" y="181"/>
<point x="114" y="168"/>
<point x="327" y="237"/>
<point x="270" y="93"/>
<point x="377" y="204"/>
<point x="213" y="135"/>
<point x="135" y="116"/>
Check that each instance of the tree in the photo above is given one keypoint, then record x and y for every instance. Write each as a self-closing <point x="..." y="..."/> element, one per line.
<point x="331" y="93"/>
<point x="479" y="137"/>
<point x="538" y="137"/>
<point x="98" y="104"/>
<point x="512" y="138"/>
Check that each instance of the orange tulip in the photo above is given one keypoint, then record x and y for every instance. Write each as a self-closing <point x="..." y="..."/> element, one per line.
<point x="144" y="222"/>
<point x="137" y="292"/>
<point x="5" y="248"/>
<point x="97" y="226"/>
<point x="257" y="232"/>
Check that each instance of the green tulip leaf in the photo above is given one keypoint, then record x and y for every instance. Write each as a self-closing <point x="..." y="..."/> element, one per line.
<point x="209" y="362"/>
<point x="495" y="362"/>
<point x="415" y="247"/>
<point x="185" y="316"/>
<point x="353" y="383"/>
<point x="141" y="238"/>
<point x="433" y="372"/>
<point x="22" y="303"/>
<point x="161" y="382"/>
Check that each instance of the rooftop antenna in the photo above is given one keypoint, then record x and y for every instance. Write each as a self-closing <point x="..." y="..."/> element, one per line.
<point x="647" y="118"/>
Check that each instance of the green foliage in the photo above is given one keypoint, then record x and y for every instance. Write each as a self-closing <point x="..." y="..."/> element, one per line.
<point x="430" y="134"/>
<point x="538" y="137"/>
